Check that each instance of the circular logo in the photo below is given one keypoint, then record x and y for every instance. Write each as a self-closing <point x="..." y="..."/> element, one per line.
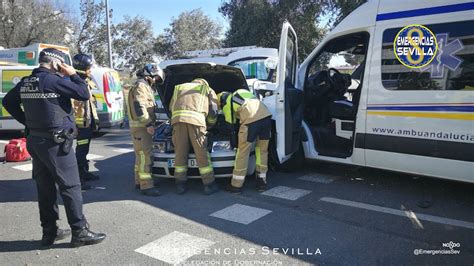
<point x="415" y="46"/>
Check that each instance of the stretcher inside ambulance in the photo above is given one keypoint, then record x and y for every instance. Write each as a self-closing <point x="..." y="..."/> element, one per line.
<point x="220" y="78"/>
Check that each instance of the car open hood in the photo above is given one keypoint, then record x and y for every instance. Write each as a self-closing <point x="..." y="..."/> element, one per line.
<point x="220" y="78"/>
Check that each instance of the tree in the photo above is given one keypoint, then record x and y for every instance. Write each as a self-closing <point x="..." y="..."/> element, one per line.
<point x="257" y="22"/>
<point x="339" y="9"/>
<point x="133" y="43"/>
<point x="23" y="22"/>
<point x="192" y="30"/>
<point x="91" y="33"/>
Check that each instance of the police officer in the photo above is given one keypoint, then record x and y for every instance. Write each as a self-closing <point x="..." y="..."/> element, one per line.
<point x="141" y="111"/>
<point x="193" y="107"/>
<point x="255" y="126"/>
<point x="46" y="100"/>
<point x="86" y="118"/>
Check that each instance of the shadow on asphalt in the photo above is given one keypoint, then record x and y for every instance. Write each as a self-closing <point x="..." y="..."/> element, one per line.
<point x="28" y="245"/>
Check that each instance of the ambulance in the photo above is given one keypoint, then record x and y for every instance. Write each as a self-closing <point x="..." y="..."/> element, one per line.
<point x="407" y="106"/>
<point x="405" y="101"/>
<point x="16" y="63"/>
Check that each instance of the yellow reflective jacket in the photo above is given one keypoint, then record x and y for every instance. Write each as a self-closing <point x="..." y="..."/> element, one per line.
<point x="247" y="108"/>
<point x="193" y="103"/>
<point x="141" y="104"/>
<point x="85" y="111"/>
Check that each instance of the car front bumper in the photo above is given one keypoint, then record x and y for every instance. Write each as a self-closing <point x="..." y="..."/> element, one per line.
<point x="222" y="162"/>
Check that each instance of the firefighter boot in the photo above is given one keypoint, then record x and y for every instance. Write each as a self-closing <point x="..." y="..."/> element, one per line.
<point x="233" y="190"/>
<point x="211" y="188"/>
<point x="181" y="188"/>
<point x="151" y="192"/>
<point x="86" y="175"/>
<point x="260" y="182"/>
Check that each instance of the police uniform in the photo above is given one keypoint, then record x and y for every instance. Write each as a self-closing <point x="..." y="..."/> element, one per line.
<point x="45" y="97"/>
<point x="255" y="126"/>
<point x="193" y="106"/>
<point x="141" y="109"/>
<point x="87" y="120"/>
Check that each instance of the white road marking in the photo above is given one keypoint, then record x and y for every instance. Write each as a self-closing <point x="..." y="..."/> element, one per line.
<point x="123" y="150"/>
<point x="241" y="213"/>
<point x="24" y="167"/>
<point x="317" y="178"/>
<point x="91" y="156"/>
<point x="175" y="248"/>
<point x="287" y="193"/>
<point x="418" y="216"/>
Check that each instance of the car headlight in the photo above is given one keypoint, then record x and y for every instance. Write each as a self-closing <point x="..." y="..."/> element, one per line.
<point x="163" y="146"/>
<point x="221" y="146"/>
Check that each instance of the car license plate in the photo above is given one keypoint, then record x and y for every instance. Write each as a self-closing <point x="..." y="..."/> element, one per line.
<point x="191" y="163"/>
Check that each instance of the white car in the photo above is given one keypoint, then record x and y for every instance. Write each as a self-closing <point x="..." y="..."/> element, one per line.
<point x="220" y="78"/>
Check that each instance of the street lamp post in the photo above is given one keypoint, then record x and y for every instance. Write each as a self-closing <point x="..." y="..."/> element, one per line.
<point x="109" y="40"/>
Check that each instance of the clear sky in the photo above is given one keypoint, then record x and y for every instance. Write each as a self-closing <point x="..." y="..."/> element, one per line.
<point x="160" y="12"/>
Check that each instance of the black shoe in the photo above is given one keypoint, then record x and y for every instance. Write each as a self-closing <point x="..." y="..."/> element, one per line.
<point x="88" y="176"/>
<point x="85" y="186"/>
<point x="151" y="192"/>
<point x="48" y="240"/>
<point x="86" y="237"/>
<point x="211" y="188"/>
<point x="233" y="190"/>
<point x="261" y="184"/>
<point x="181" y="188"/>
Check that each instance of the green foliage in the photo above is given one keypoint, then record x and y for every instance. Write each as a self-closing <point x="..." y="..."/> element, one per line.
<point x="24" y="22"/>
<point x="256" y="22"/>
<point x="91" y="34"/>
<point x="133" y="43"/>
<point x="192" y="30"/>
<point x="341" y="8"/>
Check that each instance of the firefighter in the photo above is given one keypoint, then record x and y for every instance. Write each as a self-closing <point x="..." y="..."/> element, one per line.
<point x="86" y="118"/>
<point x="193" y="107"/>
<point x="42" y="102"/>
<point x="255" y="126"/>
<point x="141" y="111"/>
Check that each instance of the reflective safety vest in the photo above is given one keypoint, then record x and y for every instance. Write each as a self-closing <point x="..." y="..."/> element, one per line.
<point x="245" y="107"/>
<point x="141" y="105"/>
<point x="41" y="105"/>
<point x="85" y="111"/>
<point x="193" y="103"/>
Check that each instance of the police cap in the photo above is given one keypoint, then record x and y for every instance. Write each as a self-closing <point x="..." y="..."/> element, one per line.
<point x="48" y="53"/>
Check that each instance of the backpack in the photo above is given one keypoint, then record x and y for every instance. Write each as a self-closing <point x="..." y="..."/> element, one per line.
<point x="15" y="151"/>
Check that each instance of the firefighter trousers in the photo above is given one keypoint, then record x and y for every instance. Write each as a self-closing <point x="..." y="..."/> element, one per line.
<point x="185" y="135"/>
<point x="142" y="144"/>
<point x="257" y="133"/>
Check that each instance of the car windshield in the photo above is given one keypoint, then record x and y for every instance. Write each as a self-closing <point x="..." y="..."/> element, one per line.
<point x="255" y="69"/>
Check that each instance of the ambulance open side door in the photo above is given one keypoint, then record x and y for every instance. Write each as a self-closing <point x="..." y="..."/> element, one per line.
<point x="289" y="99"/>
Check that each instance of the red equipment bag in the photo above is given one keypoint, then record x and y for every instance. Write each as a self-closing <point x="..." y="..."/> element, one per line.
<point x="15" y="151"/>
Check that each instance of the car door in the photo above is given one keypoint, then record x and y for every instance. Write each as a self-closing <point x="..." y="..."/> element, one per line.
<point x="289" y="99"/>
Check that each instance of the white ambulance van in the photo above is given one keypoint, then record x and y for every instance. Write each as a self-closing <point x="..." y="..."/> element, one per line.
<point x="412" y="109"/>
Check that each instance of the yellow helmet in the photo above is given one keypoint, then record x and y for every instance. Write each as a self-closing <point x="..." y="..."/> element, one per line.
<point x="201" y="81"/>
<point x="221" y="98"/>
